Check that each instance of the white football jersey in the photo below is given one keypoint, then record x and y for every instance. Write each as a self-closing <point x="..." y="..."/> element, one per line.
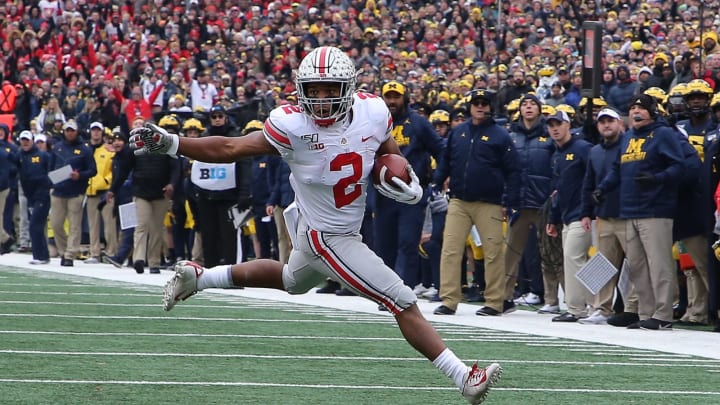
<point x="331" y="165"/>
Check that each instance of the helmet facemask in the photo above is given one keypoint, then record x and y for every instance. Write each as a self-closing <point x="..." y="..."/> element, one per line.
<point x="326" y="65"/>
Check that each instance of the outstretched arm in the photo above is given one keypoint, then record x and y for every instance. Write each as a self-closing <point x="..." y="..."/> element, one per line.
<point x="220" y="149"/>
<point x="212" y="149"/>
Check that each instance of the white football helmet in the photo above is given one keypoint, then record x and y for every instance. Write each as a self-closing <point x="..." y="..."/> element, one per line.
<point x="326" y="64"/>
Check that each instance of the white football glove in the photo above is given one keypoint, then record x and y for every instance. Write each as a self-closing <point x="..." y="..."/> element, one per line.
<point x="405" y="193"/>
<point x="153" y="139"/>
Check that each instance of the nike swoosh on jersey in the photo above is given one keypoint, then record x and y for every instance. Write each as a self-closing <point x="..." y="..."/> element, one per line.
<point x="365" y="139"/>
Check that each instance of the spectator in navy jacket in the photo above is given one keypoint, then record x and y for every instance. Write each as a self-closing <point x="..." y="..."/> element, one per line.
<point x="281" y="195"/>
<point x="609" y="226"/>
<point x="8" y="167"/>
<point x="649" y="171"/>
<point x="398" y="226"/>
<point x="569" y="164"/>
<point x="34" y="165"/>
<point x="478" y="148"/>
<point x="66" y="201"/>
<point x="535" y="149"/>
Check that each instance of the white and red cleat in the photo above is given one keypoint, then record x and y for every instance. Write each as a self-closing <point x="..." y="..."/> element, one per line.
<point x="183" y="283"/>
<point x="478" y="382"/>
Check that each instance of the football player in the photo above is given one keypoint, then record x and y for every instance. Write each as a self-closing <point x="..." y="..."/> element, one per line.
<point x="330" y="141"/>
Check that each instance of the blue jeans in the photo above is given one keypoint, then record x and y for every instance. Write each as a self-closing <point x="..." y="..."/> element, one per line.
<point x="38" y="210"/>
<point x="125" y="245"/>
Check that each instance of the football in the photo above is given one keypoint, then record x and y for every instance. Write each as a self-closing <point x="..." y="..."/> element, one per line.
<point x="396" y="167"/>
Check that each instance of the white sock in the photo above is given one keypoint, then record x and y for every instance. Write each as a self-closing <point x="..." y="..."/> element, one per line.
<point x="449" y="364"/>
<point x="216" y="277"/>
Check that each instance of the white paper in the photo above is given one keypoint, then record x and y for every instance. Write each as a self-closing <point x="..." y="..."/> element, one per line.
<point x="60" y="175"/>
<point x="238" y="217"/>
<point x="624" y="284"/>
<point x="594" y="233"/>
<point x="128" y="216"/>
<point x="475" y="236"/>
<point x="596" y="273"/>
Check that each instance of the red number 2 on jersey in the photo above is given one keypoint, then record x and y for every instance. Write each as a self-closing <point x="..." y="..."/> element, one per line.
<point x="342" y="196"/>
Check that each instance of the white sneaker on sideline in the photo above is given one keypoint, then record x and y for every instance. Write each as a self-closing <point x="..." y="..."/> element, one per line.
<point x="419" y="290"/>
<point x="478" y="382"/>
<point x="597" y="318"/>
<point x="91" y="260"/>
<point x="431" y="292"/>
<point x="549" y="309"/>
<point x="36" y="261"/>
<point x="528" y="299"/>
<point x="183" y="283"/>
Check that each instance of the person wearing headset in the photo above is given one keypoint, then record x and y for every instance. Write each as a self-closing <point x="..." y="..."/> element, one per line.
<point x="648" y="171"/>
<point x="477" y="148"/>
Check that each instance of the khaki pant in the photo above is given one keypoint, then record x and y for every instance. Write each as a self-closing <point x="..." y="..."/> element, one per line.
<point x="611" y="243"/>
<point x="150" y="230"/>
<point x="697" y="280"/>
<point x="284" y="244"/>
<point x="95" y="218"/>
<point x="517" y="236"/>
<point x="4" y="236"/>
<point x="197" y="252"/>
<point x="652" y="268"/>
<point x="488" y="220"/>
<point x="61" y="208"/>
<point x="576" y="242"/>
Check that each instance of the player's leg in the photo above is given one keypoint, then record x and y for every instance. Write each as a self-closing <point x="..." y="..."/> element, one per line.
<point x="349" y="260"/>
<point x="190" y="277"/>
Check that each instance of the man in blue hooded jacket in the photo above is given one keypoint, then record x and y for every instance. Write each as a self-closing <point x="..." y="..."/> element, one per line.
<point x="8" y="166"/>
<point x="66" y="201"/>
<point x="477" y="148"/>
<point x="648" y="171"/>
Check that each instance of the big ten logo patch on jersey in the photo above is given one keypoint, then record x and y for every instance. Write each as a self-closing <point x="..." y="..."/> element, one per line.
<point x="312" y="141"/>
<point x="212" y="173"/>
<point x="634" y="151"/>
<point x="399" y="135"/>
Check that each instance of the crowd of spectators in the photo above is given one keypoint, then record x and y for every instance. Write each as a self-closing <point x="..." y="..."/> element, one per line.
<point x="94" y="57"/>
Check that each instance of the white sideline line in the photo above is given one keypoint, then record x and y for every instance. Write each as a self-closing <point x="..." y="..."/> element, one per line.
<point x="108" y="304"/>
<point x="354" y="387"/>
<point x="658" y="357"/>
<point x="599" y="391"/>
<point x="323" y="358"/>
<point x="487" y="340"/>
<point x="213" y="335"/>
<point x="631" y="352"/>
<point x="202" y="335"/>
<point x="99" y="284"/>
<point x="573" y="344"/>
<point x="179" y="318"/>
<point x="79" y="293"/>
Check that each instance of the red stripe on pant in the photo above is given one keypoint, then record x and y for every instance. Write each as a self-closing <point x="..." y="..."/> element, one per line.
<point x="315" y="238"/>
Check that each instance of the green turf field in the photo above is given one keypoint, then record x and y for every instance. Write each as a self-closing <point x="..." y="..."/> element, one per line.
<point x="75" y="340"/>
